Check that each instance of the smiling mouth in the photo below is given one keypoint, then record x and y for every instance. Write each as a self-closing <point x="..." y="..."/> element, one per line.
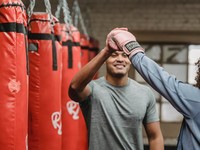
<point x="119" y="66"/>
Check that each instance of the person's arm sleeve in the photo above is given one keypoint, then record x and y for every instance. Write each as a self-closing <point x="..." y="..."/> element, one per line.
<point x="184" y="97"/>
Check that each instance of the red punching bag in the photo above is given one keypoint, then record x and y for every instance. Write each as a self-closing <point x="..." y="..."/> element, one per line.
<point x="74" y="129"/>
<point x="84" y="42"/>
<point x="45" y="83"/>
<point x="13" y="77"/>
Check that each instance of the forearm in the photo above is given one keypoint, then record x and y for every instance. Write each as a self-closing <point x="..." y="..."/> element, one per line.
<point x="154" y="75"/>
<point x="86" y="74"/>
<point x="179" y="94"/>
<point x="156" y="143"/>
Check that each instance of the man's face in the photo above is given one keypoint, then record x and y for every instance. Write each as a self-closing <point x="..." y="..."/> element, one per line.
<point x="118" y="64"/>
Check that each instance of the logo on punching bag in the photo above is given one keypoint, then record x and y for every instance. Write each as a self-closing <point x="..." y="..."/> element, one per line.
<point x="56" y="121"/>
<point x="14" y="86"/>
<point x="73" y="109"/>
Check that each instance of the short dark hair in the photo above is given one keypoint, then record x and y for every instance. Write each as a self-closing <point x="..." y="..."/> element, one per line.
<point x="197" y="78"/>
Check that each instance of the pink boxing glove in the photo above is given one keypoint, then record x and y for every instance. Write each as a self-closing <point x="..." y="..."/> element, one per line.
<point x="109" y="40"/>
<point x="124" y="41"/>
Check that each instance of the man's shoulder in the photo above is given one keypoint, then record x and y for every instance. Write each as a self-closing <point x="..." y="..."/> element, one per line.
<point x="138" y="85"/>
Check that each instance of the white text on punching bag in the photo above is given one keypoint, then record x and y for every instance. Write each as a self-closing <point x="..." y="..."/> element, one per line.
<point x="56" y="121"/>
<point x="73" y="109"/>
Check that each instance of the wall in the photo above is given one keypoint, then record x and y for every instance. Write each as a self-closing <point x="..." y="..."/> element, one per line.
<point x="142" y="15"/>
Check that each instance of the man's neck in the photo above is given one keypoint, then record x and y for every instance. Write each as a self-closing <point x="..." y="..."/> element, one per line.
<point x="117" y="81"/>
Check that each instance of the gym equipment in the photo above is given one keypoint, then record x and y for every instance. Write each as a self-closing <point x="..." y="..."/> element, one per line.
<point x="74" y="135"/>
<point x="13" y="78"/>
<point x="45" y="54"/>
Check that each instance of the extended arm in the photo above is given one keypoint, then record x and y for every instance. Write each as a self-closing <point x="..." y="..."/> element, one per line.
<point x="79" y="89"/>
<point x="184" y="97"/>
<point x="154" y="135"/>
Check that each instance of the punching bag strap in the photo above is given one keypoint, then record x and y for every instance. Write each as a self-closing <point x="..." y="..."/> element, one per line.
<point x="70" y="44"/>
<point x="13" y="27"/>
<point x="42" y="36"/>
<point x="54" y="56"/>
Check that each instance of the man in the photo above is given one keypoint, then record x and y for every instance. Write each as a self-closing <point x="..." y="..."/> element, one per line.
<point x="184" y="97"/>
<point x="115" y="106"/>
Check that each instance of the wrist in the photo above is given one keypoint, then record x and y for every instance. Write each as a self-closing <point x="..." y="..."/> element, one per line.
<point x="107" y="51"/>
<point x="140" y="50"/>
<point x="130" y="47"/>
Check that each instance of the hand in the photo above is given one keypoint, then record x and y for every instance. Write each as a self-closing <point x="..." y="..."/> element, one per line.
<point x="121" y="39"/>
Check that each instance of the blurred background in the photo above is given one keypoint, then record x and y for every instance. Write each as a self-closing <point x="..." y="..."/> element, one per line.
<point x="169" y="30"/>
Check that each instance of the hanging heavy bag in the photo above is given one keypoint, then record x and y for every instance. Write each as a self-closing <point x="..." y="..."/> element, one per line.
<point x="74" y="130"/>
<point x="74" y="135"/>
<point x="45" y="82"/>
<point x="13" y="77"/>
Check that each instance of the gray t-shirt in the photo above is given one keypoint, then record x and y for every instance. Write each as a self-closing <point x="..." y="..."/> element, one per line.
<point x="114" y="115"/>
